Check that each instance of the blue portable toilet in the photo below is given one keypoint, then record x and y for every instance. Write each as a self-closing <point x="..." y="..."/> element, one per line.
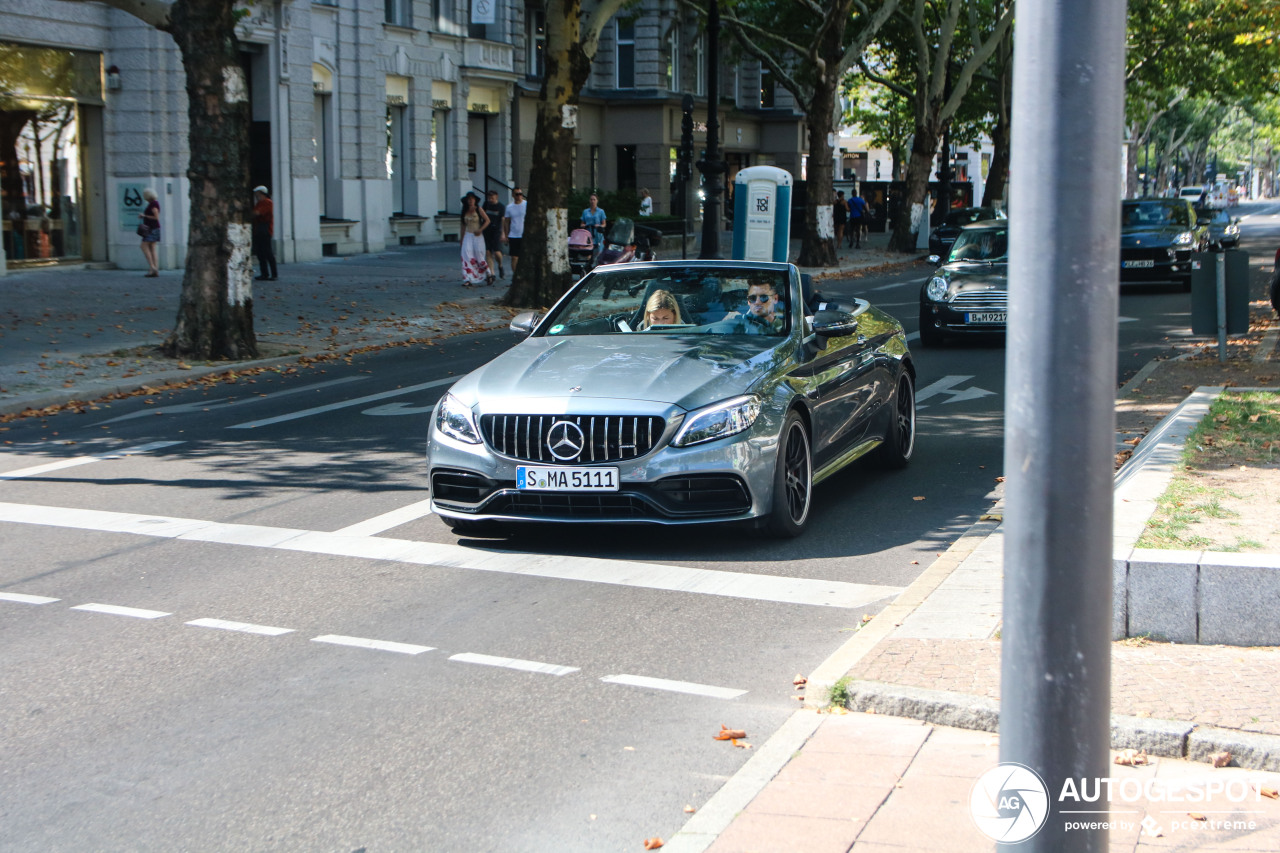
<point x="762" y="214"/>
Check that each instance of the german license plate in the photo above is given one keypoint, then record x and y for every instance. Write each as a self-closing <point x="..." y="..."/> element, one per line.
<point x="1137" y="265"/>
<point x="985" y="317"/>
<point x="563" y="479"/>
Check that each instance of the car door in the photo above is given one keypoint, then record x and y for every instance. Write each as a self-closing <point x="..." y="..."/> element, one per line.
<point x="843" y="383"/>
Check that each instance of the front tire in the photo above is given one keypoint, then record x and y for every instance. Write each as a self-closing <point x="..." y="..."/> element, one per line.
<point x="900" y="435"/>
<point x="792" y="480"/>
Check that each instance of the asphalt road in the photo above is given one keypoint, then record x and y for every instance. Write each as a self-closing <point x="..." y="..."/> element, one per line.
<point x="229" y="623"/>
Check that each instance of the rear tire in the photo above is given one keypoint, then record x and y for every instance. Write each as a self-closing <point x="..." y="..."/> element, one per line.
<point x="1275" y="290"/>
<point x="930" y="335"/>
<point x="900" y="435"/>
<point x="792" y="480"/>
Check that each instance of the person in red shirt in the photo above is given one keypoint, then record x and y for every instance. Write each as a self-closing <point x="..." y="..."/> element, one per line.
<point x="264" y="228"/>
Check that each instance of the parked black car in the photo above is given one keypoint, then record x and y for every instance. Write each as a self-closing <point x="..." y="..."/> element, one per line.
<point x="969" y="293"/>
<point x="1224" y="229"/>
<point x="941" y="238"/>
<point x="1157" y="237"/>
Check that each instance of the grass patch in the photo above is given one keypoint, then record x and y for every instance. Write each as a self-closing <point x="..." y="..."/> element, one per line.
<point x="1240" y="429"/>
<point x="840" y="693"/>
<point x="1182" y="505"/>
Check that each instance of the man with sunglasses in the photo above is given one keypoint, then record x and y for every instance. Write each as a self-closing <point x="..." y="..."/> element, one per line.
<point x="765" y="312"/>
<point x="513" y="225"/>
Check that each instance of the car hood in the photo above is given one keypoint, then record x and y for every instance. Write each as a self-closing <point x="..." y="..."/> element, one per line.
<point x="976" y="277"/>
<point x="687" y="371"/>
<point x="1134" y="238"/>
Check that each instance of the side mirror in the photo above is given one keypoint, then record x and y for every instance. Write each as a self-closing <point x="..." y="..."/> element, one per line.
<point x="525" y="322"/>
<point x="834" y="324"/>
<point x="936" y="260"/>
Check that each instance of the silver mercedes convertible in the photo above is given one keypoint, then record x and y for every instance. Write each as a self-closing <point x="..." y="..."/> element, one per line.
<point x="674" y="392"/>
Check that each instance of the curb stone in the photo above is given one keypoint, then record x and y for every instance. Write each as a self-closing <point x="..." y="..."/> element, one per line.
<point x="1164" y="738"/>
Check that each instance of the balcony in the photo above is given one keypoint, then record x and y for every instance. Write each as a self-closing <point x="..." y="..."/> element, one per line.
<point x="478" y="54"/>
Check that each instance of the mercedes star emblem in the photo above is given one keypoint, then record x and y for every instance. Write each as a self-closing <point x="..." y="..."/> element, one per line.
<point x="565" y="440"/>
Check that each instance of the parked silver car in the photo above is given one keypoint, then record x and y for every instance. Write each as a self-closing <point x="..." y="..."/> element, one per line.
<point x="673" y="392"/>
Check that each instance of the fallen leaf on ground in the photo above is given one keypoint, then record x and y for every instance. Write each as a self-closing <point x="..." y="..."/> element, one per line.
<point x="740" y="744"/>
<point x="1269" y="793"/>
<point x="727" y="733"/>
<point x="1132" y="758"/>
<point x="1195" y="816"/>
<point x="652" y="843"/>
<point x="918" y="498"/>
<point x="1220" y="759"/>
<point x="689" y="810"/>
<point x="799" y="680"/>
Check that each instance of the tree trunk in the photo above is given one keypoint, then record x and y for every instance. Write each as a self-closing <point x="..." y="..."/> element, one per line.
<point x="215" y="314"/>
<point x="910" y="214"/>
<point x="998" y="176"/>
<point x="817" y="243"/>
<point x="543" y="274"/>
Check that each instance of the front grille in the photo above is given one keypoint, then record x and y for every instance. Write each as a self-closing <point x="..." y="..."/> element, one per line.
<point x="566" y="505"/>
<point x="981" y="300"/>
<point x="571" y="439"/>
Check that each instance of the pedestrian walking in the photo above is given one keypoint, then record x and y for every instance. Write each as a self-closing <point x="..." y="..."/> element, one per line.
<point x="513" y="226"/>
<point x="475" y="270"/>
<point x="594" y="219"/>
<point x="839" y="215"/>
<point x="857" y="219"/>
<point x="646" y="203"/>
<point x="493" y="233"/>
<point x="149" y="231"/>
<point x="264" y="230"/>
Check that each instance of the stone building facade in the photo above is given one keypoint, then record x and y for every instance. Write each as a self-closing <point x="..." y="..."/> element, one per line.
<point x="370" y="119"/>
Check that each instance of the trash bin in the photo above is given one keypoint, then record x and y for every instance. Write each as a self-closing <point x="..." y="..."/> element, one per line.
<point x="1204" y="292"/>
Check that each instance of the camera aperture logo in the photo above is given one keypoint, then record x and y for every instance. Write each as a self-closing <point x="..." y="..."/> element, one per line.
<point x="1009" y="803"/>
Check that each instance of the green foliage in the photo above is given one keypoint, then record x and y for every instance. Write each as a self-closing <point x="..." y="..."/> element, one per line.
<point x="615" y="203"/>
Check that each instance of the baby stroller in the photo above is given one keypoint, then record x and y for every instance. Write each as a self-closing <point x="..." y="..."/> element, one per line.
<point x="581" y="251"/>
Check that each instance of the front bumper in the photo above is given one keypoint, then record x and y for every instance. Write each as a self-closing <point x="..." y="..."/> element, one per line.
<point x="724" y="480"/>
<point x="1163" y="268"/>
<point x="964" y="319"/>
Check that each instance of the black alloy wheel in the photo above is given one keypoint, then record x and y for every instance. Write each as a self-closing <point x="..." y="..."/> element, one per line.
<point x="792" y="480"/>
<point x="900" y="436"/>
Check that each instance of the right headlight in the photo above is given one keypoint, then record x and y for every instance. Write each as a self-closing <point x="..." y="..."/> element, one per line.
<point x="718" y="421"/>
<point x="455" y="420"/>
<point x="937" y="288"/>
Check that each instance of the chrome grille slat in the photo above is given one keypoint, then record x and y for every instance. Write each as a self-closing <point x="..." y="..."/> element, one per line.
<point x="605" y="438"/>
<point x="988" y="300"/>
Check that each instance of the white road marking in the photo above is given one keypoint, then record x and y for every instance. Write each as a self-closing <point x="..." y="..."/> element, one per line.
<point x="84" y="460"/>
<point x="359" y="401"/>
<point x="515" y="663"/>
<point x="379" y="645"/>
<point x="674" y="686"/>
<point x="227" y="402"/>
<point x="942" y="386"/>
<point x="116" y="610"/>
<point x="243" y="627"/>
<point x="782" y="590"/>
<point x="26" y="599"/>
<point x="387" y="520"/>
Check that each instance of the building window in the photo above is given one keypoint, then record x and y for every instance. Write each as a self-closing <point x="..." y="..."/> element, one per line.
<point x="671" y="59"/>
<point x="398" y="12"/>
<point x="766" y="88"/>
<point x="474" y="30"/>
<point x="626" y="167"/>
<point x="624" y="65"/>
<point x="700" y="65"/>
<point x="537" y="25"/>
<point x="594" y="165"/>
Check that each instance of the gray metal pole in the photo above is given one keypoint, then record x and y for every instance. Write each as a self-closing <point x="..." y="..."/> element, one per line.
<point x="1220" y="269"/>
<point x="1064" y="225"/>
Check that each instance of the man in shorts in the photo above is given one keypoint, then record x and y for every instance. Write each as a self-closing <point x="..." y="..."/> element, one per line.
<point x="513" y="225"/>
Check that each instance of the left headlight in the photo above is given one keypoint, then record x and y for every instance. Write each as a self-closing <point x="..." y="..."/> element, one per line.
<point x="455" y="420"/>
<point x="1186" y="238"/>
<point x="937" y="288"/>
<point x="718" y="421"/>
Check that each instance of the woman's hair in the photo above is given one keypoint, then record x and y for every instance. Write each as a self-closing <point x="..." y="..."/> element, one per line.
<point x="473" y="197"/>
<point x="644" y="193"/>
<point x="658" y="300"/>
<point x="149" y="194"/>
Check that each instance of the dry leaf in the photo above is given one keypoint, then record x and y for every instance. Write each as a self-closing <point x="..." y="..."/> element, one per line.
<point x="629" y="749"/>
<point x="799" y="680"/>
<point x="739" y="744"/>
<point x="1134" y="440"/>
<point x="918" y="498"/>
<point x="1195" y="816"/>
<point x="689" y="810"/>
<point x="1269" y="793"/>
<point x="1132" y="758"/>
<point x="1220" y="759"/>
<point x="727" y="733"/>
<point x="652" y="843"/>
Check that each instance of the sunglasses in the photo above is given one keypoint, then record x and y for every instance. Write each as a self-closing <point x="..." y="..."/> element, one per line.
<point x="758" y="297"/>
<point x="517" y="195"/>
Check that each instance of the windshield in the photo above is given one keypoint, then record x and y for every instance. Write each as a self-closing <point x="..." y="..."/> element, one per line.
<point x="1149" y="213"/>
<point x="981" y="244"/>
<point x="622" y="232"/>
<point x="675" y="300"/>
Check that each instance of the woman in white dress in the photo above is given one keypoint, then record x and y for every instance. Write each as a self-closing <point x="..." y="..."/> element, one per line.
<point x="475" y="270"/>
